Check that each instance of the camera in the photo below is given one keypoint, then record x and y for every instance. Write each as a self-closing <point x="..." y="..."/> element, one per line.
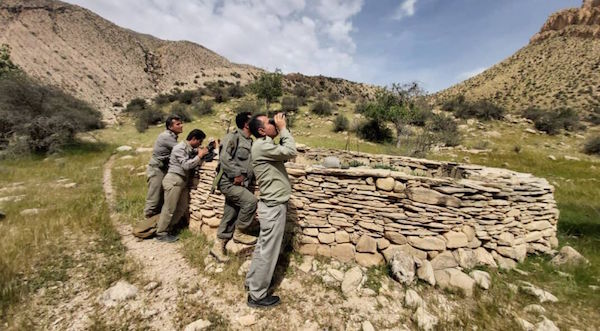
<point x="212" y="145"/>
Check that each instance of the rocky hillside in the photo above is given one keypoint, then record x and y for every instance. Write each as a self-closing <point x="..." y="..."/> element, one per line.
<point x="560" y="67"/>
<point x="70" y="47"/>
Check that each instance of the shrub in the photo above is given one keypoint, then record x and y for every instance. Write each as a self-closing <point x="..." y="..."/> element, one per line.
<point x="361" y="107"/>
<point x="592" y="146"/>
<point x="203" y="107"/>
<point x="482" y="109"/>
<point x="161" y="99"/>
<point x="454" y="103"/>
<point x="355" y="163"/>
<point x="341" y="123"/>
<point x="300" y="90"/>
<point x="181" y="111"/>
<point x="189" y="96"/>
<point x="220" y="95"/>
<point x="533" y="113"/>
<point x="552" y="121"/>
<point x="321" y="108"/>
<point x="289" y="104"/>
<point x="38" y="118"/>
<point x="148" y="117"/>
<point x="375" y="131"/>
<point x="333" y="96"/>
<point x="236" y="91"/>
<point x="594" y="117"/>
<point x="444" y="129"/>
<point x="248" y="106"/>
<point x="420" y="116"/>
<point x="136" y="105"/>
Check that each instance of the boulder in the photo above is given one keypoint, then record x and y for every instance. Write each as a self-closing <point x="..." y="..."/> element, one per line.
<point x="425" y="321"/>
<point x="425" y="271"/>
<point x="412" y="299"/>
<point x="385" y="184"/>
<point x="467" y="258"/>
<point x="443" y="261"/>
<point x="454" y="279"/>
<point x="546" y="325"/>
<point x="119" y="292"/>
<point x="481" y="278"/>
<point x="332" y="162"/>
<point x="483" y="257"/>
<point x="402" y="266"/>
<point x="541" y="295"/>
<point x="427" y="243"/>
<point x="456" y="239"/>
<point x="369" y="259"/>
<point x="366" y="244"/>
<point x="389" y="252"/>
<point x="568" y="255"/>
<point x="352" y="279"/>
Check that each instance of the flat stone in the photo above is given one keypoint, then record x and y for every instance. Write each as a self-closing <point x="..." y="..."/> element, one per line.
<point x="385" y="184"/>
<point x="454" y="279"/>
<point x="198" y="325"/>
<point x="395" y="237"/>
<point x="369" y="259"/>
<point x="506" y="239"/>
<point x="366" y="244"/>
<point x="443" y="261"/>
<point x="427" y="243"/>
<point x="481" y="278"/>
<point x="568" y="256"/>
<point x="538" y="226"/>
<point x="352" y="279"/>
<point x="326" y="238"/>
<point x="456" y="239"/>
<point x="546" y="324"/>
<point x="469" y="232"/>
<point x="124" y="148"/>
<point x="399" y="187"/>
<point x="504" y="262"/>
<point x="342" y="237"/>
<point x="389" y="252"/>
<point x="30" y="212"/>
<point x="382" y="243"/>
<point x="336" y="274"/>
<point x="343" y="252"/>
<point x="308" y="249"/>
<point x="534" y="309"/>
<point x="431" y="197"/>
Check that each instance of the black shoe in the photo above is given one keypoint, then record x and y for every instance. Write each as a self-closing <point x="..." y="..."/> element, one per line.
<point x="266" y="302"/>
<point x="166" y="238"/>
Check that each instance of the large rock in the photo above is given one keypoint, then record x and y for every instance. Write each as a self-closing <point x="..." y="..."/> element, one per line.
<point x="541" y="295"/>
<point x="124" y="148"/>
<point x="119" y="292"/>
<point x="366" y="244"/>
<point x="483" y="257"/>
<point x="342" y="237"/>
<point x="385" y="184"/>
<point x="425" y="320"/>
<point x="425" y="271"/>
<point x="481" y="278"/>
<point x="431" y="197"/>
<point x="504" y="262"/>
<point x="352" y="279"/>
<point x="389" y="252"/>
<point x="427" y="243"/>
<point x="469" y="232"/>
<point x="444" y="261"/>
<point x="456" y="239"/>
<point x="395" y="237"/>
<point x="403" y="268"/>
<point x="467" y="258"/>
<point x="412" y="299"/>
<point x="332" y="162"/>
<point x="343" y="252"/>
<point x="454" y="279"/>
<point x="369" y="259"/>
<point x="546" y="325"/>
<point x="198" y="325"/>
<point x="568" y="255"/>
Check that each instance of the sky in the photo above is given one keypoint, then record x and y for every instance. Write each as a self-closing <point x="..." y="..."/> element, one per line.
<point x="436" y="43"/>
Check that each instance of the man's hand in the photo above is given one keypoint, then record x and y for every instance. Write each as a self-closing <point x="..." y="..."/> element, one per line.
<point x="238" y="180"/>
<point x="279" y="119"/>
<point x="202" y="151"/>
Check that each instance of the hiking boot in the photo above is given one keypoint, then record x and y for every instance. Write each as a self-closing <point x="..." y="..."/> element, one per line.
<point x="266" y="302"/>
<point x="218" y="250"/>
<point x="167" y="238"/>
<point x="243" y="238"/>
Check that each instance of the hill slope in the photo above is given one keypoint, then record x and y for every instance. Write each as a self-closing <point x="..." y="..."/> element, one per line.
<point x="560" y="67"/>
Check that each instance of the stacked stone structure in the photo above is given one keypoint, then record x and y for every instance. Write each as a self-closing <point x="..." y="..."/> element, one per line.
<point x="451" y="214"/>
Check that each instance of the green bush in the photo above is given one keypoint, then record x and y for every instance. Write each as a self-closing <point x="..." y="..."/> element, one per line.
<point x="592" y="146"/>
<point x="161" y="99"/>
<point x="454" y="104"/>
<point x="147" y="117"/>
<point x="289" y="104"/>
<point x="321" y="108"/>
<point x="189" y="96"/>
<point x="236" y="91"/>
<point x="220" y="94"/>
<point x="341" y="123"/>
<point x="181" y="111"/>
<point x="355" y="163"/>
<point x="375" y="131"/>
<point x="420" y="116"/>
<point x="203" y="107"/>
<point x="252" y="107"/>
<point x="483" y="110"/>
<point x="301" y="91"/>
<point x="552" y="121"/>
<point x="361" y="107"/>
<point x="136" y="105"/>
<point x="444" y="129"/>
<point x="594" y="116"/>
<point x="38" y="118"/>
<point x="333" y="96"/>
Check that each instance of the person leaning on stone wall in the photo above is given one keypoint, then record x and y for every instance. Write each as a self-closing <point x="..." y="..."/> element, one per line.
<point x="268" y="161"/>
<point x="159" y="163"/>
<point x="183" y="161"/>
<point x="236" y="184"/>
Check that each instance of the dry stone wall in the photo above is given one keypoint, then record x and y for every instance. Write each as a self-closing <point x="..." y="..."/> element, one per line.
<point x="451" y="214"/>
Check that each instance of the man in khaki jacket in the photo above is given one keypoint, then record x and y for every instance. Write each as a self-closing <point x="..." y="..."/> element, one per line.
<point x="182" y="163"/>
<point x="268" y="161"/>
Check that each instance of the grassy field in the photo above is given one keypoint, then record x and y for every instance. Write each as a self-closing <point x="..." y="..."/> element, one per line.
<point x="72" y="228"/>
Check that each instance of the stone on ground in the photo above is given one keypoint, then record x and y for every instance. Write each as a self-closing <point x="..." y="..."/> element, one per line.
<point x="151" y="286"/>
<point x="524" y="324"/>
<point x="368" y="259"/>
<point x="541" y="295"/>
<point x="352" y="279"/>
<point x="336" y="274"/>
<point x="120" y="292"/>
<point x="412" y="299"/>
<point x="29" y="212"/>
<point x="425" y="271"/>
<point x="247" y="320"/>
<point x="568" y="255"/>
<point x="534" y="309"/>
<point x="197" y="325"/>
<point x="403" y="268"/>
<point x="454" y="279"/>
<point x="481" y="278"/>
<point x="367" y="326"/>
<point x="425" y="321"/>
<point x="546" y="325"/>
<point x="124" y="148"/>
<point x="444" y="261"/>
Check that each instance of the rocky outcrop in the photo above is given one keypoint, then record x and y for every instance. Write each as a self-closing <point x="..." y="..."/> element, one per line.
<point x="579" y="22"/>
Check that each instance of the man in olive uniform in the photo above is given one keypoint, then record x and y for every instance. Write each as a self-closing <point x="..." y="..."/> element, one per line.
<point x="268" y="161"/>
<point x="236" y="184"/>
<point x="183" y="161"/>
<point x="159" y="163"/>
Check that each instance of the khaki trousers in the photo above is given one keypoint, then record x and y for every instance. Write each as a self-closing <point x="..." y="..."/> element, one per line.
<point x="154" y="197"/>
<point x="239" y="209"/>
<point x="176" y="202"/>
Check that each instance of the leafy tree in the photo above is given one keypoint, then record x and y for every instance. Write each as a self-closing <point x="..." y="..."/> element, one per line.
<point x="268" y="86"/>
<point x="6" y="65"/>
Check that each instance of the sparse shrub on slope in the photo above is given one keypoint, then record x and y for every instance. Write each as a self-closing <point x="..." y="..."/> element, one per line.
<point x="38" y="118"/>
<point x="444" y="129"/>
<point x="136" y="105"/>
<point x="552" y="121"/>
<point x="592" y="146"/>
<point x="236" y="91"/>
<point x="375" y="131"/>
<point x="203" y="107"/>
<point x="289" y="104"/>
<point x="594" y="117"/>
<point x="483" y="110"/>
<point x="341" y="123"/>
<point x="147" y="117"/>
<point x="181" y="111"/>
<point x="322" y="108"/>
<point x="252" y="107"/>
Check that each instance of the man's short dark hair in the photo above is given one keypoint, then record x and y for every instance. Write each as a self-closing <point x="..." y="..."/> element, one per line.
<point x="242" y="118"/>
<point x="255" y="124"/>
<point x="170" y="120"/>
<point x="196" y="133"/>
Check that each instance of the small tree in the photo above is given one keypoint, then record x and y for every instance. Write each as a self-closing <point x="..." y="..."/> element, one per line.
<point x="6" y="65"/>
<point x="268" y="86"/>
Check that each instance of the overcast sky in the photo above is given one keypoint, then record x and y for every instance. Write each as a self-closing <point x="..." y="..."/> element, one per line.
<point x="435" y="42"/>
